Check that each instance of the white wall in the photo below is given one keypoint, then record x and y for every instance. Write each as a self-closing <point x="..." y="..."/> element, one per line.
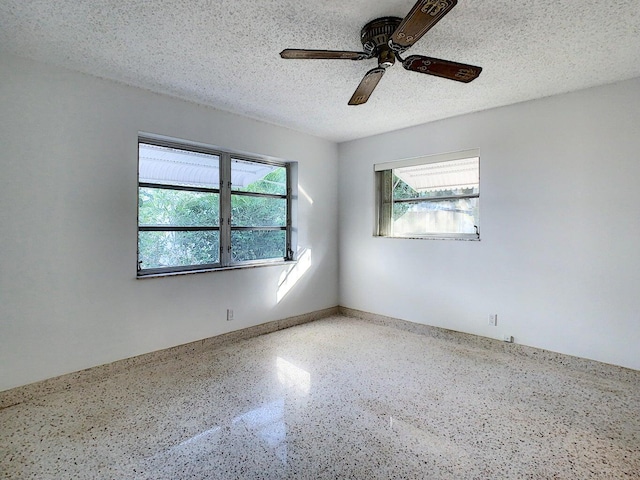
<point x="559" y="259"/>
<point x="68" y="204"/>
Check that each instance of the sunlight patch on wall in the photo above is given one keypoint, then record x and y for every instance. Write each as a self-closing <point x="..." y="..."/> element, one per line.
<point x="305" y="195"/>
<point x="290" y="277"/>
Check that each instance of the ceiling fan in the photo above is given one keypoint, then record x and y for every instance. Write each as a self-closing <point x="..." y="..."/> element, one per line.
<point x="387" y="38"/>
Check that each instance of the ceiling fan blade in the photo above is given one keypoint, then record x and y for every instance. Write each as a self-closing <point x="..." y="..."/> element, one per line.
<point x="424" y="15"/>
<point x="442" y="68"/>
<point x="366" y="87"/>
<point x="294" y="53"/>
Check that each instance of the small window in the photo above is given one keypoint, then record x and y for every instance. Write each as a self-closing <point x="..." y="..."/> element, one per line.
<point x="203" y="209"/>
<point x="429" y="197"/>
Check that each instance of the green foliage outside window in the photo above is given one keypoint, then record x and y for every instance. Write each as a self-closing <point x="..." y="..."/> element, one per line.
<point x="402" y="190"/>
<point x="178" y="208"/>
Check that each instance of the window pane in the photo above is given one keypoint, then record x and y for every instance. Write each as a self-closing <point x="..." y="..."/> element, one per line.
<point x="441" y="179"/>
<point x="158" y="206"/>
<point x="257" y="244"/>
<point x="434" y="217"/>
<point x="183" y="189"/>
<point x="249" y="211"/>
<point x="258" y="177"/>
<point x="174" y="249"/>
<point x="170" y="166"/>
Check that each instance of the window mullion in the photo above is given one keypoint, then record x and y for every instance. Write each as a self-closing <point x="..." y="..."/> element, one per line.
<point x="435" y="199"/>
<point x="288" y="241"/>
<point x="384" y="191"/>
<point x="179" y="186"/>
<point x="225" y="209"/>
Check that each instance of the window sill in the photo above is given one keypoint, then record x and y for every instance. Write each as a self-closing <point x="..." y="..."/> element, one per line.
<point x="433" y="237"/>
<point x="220" y="269"/>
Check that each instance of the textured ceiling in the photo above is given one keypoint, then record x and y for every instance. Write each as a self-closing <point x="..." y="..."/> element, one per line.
<point x="225" y="54"/>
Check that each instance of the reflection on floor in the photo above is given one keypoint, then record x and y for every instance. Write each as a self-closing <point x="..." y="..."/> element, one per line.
<point x="335" y="398"/>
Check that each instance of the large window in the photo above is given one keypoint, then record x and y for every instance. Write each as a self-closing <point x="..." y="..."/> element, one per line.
<point x="429" y="197"/>
<point x="201" y="209"/>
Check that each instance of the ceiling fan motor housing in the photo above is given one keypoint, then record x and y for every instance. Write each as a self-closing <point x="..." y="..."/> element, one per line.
<point x="375" y="37"/>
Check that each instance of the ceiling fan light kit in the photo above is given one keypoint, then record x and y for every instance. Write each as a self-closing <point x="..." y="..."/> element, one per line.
<point x="386" y="38"/>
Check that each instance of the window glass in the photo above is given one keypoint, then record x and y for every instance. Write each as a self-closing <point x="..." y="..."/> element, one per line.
<point x="201" y="208"/>
<point x="257" y="244"/>
<point x="249" y="211"/>
<point x="159" y="206"/>
<point x="167" y="249"/>
<point x="430" y="197"/>
<point x="435" y="216"/>
<point x="173" y="166"/>
<point x="430" y="180"/>
<point x="247" y="176"/>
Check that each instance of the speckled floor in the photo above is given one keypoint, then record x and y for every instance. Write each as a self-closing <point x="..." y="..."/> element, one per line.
<point x="335" y="398"/>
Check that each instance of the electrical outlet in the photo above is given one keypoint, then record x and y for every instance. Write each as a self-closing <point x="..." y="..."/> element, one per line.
<point x="493" y="319"/>
<point x="229" y="314"/>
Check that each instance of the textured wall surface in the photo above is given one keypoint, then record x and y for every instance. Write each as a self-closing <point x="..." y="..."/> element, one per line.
<point x="558" y="260"/>
<point x="225" y="54"/>
<point x="68" y="294"/>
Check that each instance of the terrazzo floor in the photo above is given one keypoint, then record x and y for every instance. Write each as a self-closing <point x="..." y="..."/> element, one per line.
<point x="335" y="398"/>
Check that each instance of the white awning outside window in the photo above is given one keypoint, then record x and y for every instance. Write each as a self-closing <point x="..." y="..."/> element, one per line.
<point x="448" y="171"/>
<point x="169" y="166"/>
<point x="433" y="177"/>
